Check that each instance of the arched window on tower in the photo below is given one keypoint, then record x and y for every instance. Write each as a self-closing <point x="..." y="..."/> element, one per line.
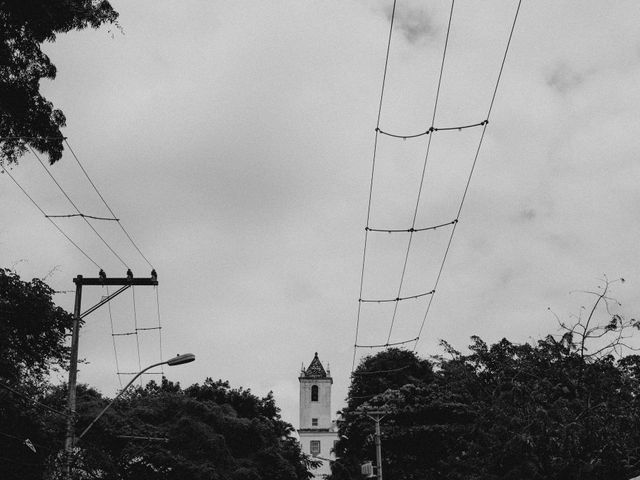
<point x="314" y="393"/>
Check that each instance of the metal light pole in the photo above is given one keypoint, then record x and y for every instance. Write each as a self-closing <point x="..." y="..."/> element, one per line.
<point x="177" y="360"/>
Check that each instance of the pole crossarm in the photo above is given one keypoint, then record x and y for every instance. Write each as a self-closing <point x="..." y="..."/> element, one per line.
<point x="115" y="281"/>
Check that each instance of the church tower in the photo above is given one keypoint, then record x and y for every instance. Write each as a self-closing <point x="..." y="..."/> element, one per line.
<point x="318" y="433"/>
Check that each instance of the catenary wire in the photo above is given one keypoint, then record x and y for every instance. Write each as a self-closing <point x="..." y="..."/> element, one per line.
<point x="77" y="209"/>
<point x="373" y="169"/>
<point x="466" y="189"/>
<point x="135" y="323"/>
<point x="106" y="204"/>
<point x="424" y="169"/>
<point x="431" y="129"/>
<point x="86" y="255"/>
<point x="113" y="339"/>
<point x="407" y="230"/>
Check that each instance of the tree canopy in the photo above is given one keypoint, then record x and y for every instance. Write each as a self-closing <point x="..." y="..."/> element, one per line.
<point x="212" y="431"/>
<point x="505" y="411"/>
<point x="32" y="344"/>
<point x="26" y="117"/>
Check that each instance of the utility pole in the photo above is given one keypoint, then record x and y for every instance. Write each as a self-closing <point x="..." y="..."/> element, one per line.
<point x="102" y="280"/>
<point x="376" y="416"/>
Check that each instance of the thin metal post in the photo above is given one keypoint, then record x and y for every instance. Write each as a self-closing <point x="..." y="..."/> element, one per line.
<point x="73" y="375"/>
<point x="378" y="449"/>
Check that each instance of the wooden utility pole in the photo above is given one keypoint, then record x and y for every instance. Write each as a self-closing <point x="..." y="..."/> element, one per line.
<point x="376" y="416"/>
<point x="102" y="280"/>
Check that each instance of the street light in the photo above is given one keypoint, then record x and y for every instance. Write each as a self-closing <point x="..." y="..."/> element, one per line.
<point x="177" y="360"/>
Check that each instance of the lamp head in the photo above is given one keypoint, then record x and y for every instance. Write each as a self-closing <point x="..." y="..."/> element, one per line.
<point x="180" y="359"/>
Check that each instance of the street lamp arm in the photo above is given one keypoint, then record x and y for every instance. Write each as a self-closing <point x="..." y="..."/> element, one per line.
<point x="177" y="360"/>
<point x="116" y="398"/>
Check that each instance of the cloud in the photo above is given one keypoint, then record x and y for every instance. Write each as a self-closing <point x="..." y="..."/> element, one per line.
<point x="414" y="21"/>
<point x="564" y="79"/>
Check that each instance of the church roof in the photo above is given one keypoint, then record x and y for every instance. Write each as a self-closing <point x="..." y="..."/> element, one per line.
<point x="315" y="369"/>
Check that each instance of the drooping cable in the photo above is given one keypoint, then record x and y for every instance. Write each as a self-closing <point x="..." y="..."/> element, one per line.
<point x="135" y="324"/>
<point x="473" y="166"/>
<point x="106" y="204"/>
<point x="373" y="168"/>
<point x="113" y="339"/>
<point x="424" y="169"/>
<point x="86" y="255"/>
<point x="159" y="327"/>
<point x="77" y="209"/>
<point x="31" y="400"/>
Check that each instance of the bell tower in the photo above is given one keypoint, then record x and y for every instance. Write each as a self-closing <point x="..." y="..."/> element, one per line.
<point x="315" y="396"/>
<point x="318" y="433"/>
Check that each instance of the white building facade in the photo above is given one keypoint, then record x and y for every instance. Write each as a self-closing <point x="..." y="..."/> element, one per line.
<point x="318" y="432"/>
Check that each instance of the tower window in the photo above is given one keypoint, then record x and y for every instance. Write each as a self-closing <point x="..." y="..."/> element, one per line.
<point x="314" y="393"/>
<point x="315" y="447"/>
<point x="314" y="422"/>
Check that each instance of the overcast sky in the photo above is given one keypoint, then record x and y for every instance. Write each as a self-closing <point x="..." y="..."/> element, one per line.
<point x="234" y="140"/>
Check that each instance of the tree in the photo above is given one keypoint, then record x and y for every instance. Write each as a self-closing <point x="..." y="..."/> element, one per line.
<point x="26" y="117"/>
<point x="212" y="431"/>
<point x="32" y="344"/>
<point x="548" y="410"/>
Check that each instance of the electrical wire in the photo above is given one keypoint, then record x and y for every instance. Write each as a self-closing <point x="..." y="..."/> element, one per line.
<point x="422" y="177"/>
<point x="31" y="400"/>
<point x="135" y="323"/>
<point x="106" y="204"/>
<point x="473" y="166"/>
<point x="113" y="339"/>
<point x="373" y="169"/>
<point x="411" y="229"/>
<point x="431" y="129"/>
<point x="86" y="255"/>
<point x="159" y="327"/>
<point x="77" y="209"/>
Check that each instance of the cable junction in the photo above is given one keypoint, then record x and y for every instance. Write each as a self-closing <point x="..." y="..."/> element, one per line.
<point x="83" y="215"/>
<point x="431" y="129"/>
<point x="397" y="299"/>
<point x="410" y="230"/>
<point x="387" y="344"/>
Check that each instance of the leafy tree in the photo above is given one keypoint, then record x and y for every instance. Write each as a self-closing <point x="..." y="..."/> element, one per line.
<point x="549" y="410"/>
<point x="212" y="431"/>
<point x="32" y="343"/>
<point x="26" y="117"/>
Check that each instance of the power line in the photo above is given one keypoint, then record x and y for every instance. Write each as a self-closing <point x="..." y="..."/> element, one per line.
<point x="28" y="399"/>
<point x="475" y="159"/>
<point x="86" y="255"/>
<point x="113" y="339"/>
<point x="373" y="169"/>
<point x="106" y="204"/>
<point x="77" y="209"/>
<point x="428" y="132"/>
<point x="424" y="169"/>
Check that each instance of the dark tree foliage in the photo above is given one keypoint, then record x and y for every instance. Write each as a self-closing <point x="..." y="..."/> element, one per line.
<point x="213" y="431"/>
<point x="32" y="343"/>
<point x="505" y="411"/>
<point x="32" y="330"/>
<point x="26" y="117"/>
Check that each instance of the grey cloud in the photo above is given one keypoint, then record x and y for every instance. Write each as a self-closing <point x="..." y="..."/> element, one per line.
<point x="563" y="78"/>
<point x="414" y="22"/>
